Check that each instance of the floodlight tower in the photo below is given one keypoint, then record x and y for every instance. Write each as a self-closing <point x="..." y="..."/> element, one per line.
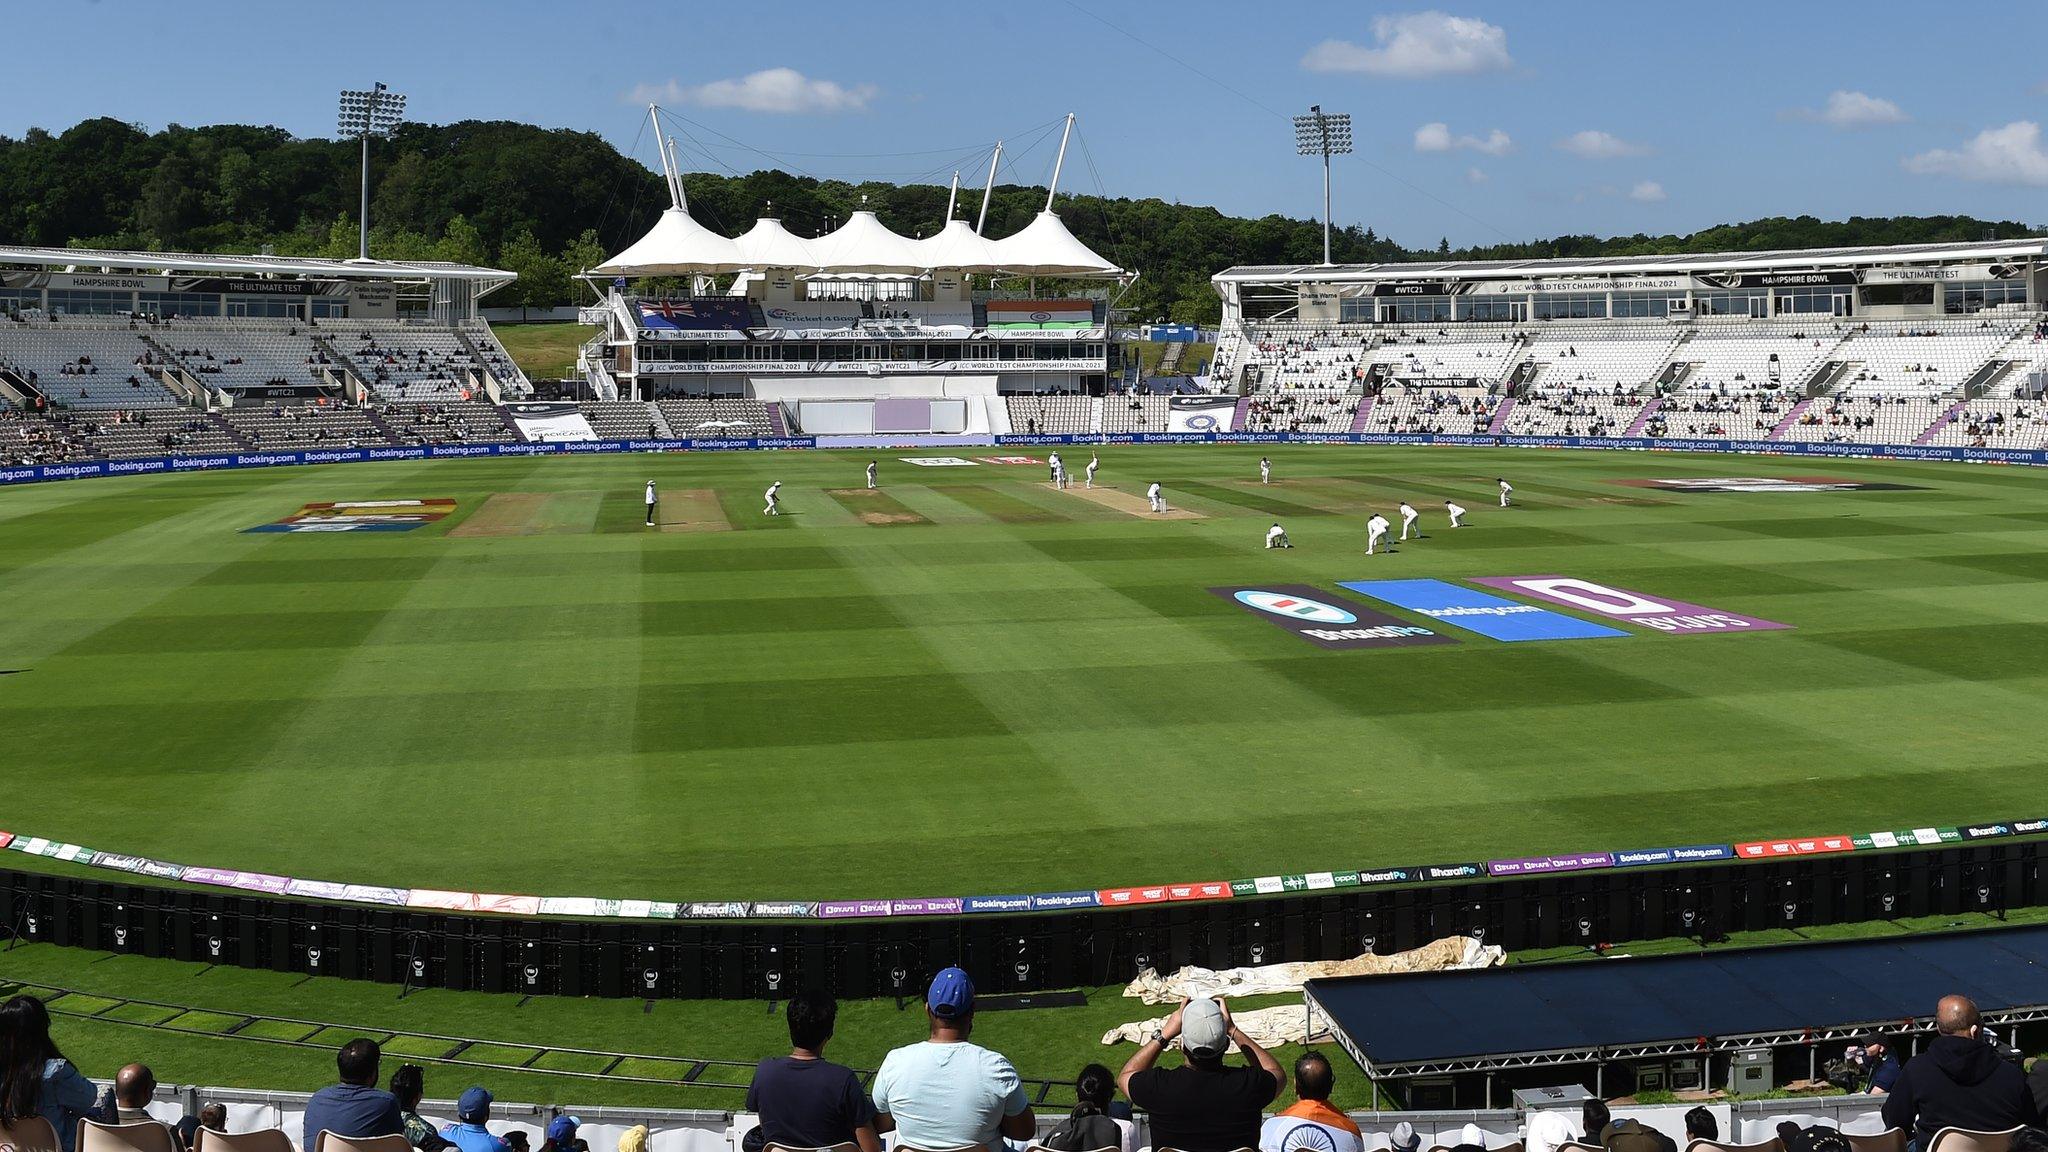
<point x="377" y="112"/>
<point x="1327" y="133"/>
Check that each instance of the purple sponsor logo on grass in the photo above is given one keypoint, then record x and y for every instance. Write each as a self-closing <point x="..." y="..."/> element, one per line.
<point x="1659" y="614"/>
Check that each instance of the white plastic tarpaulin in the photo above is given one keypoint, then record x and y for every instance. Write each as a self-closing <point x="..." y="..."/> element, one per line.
<point x="1449" y="953"/>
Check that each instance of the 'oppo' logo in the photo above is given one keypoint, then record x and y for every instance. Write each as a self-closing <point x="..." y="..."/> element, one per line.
<point x="1295" y="607"/>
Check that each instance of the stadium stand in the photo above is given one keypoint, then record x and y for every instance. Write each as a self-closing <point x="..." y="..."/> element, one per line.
<point x="1599" y="356"/>
<point x="1867" y="418"/>
<point x="305" y="426"/>
<point x="1739" y="353"/>
<point x="1429" y="409"/>
<point x="1299" y="412"/>
<point x="1576" y="411"/>
<point x="1054" y="415"/>
<point x="623" y="419"/>
<point x="1134" y="414"/>
<point x="728" y="416"/>
<point x="87" y="365"/>
<point x="1739" y="414"/>
<point x="457" y="422"/>
<point x="1923" y="357"/>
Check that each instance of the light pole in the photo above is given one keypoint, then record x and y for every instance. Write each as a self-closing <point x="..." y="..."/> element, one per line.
<point x="1328" y="134"/>
<point x="376" y="112"/>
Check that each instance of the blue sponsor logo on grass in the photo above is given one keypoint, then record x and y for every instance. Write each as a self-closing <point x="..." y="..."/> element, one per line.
<point x="1488" y="615"/>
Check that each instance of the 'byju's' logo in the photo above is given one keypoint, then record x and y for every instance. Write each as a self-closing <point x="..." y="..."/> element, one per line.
<point x="1295" y="607"/>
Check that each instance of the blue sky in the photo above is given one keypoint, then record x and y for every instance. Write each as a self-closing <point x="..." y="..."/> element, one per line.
<point x="1477" y="121"/>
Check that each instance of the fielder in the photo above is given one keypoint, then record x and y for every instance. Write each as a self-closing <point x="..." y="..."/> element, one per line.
<point x="1094" y="462"/>
<point x="1276" y="537"/>
<point x="650" y="503"/>
<point x="1265" y="470"/>
<point x="774" y="507"/>
<point x="1456" y="511"/>
<point x="1409" y="516"/>
<point x="1158" y="501"/>
<point x="1505" y="489"/>
<point x="871" y="475"/>
<point x="1376" y="531"/>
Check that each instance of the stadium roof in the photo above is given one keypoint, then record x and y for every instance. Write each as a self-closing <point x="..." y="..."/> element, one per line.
<point x="220" y="264"/>
<point x="1677" y="264"/>
<point x="677" y="245"/>
<point x="1574" y="1012"/>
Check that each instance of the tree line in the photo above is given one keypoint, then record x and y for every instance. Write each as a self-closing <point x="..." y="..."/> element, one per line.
<point x="546" y="203"/>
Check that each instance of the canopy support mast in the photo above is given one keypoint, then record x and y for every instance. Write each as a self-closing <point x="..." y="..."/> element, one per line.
<point x="1059" y="163"/>
<point x="990" y="190"/>
<point x="952" y="194"/>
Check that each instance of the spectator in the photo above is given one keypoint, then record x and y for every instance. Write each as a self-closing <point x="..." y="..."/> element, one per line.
<point x="2037" y="1082"/>
<point x="468" y="1133"/>
<point x="946" y="1092"/>
<point x="1470" y="1139"/>
<point x="212" y="1117"/>
<point x="1871" y="1057"/>
<point x="516" y="1140"/>
<point x="804" y="1100"/>
<point x="134" y="1088"/>
<point x="408" y="1085"/>
<point x="1546" y="1129"/>
<point x="561" y="1136"/>
<point x="1203" y="1106"/>
<point x="1404" y="1138"/>
<point x="1090" y="1126"/>
<point x="1634" y="1136"/>
<point x="2030" y="1139"/>
<point x="1310" y="1123"/>
<point x="1959" y="1082"/>
<point x="356" y="1107"/>
<point x="1593" y="1118"/>
<point x="1701" y="1125"/>
<point x="35" y="1078"/>
<point x="633" y="1139"/>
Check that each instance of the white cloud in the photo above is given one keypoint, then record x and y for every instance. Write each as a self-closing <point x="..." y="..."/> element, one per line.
<point x="1476" y="176"/>
<point x="781" y="90"/>
<point x="1648" y="192"/>
<point x="2009" y="155"/>
<point x="1593" y="144"/>
<point x="1853" y="110"/>
<point x="1436" y="137"/>
<point x="1418" y="45"/>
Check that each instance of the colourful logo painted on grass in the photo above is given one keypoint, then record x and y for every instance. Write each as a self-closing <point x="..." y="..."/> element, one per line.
<point x="1488" y="615"/>
<point x="361" y="516"/>
<point x="1319" y="618"/>
<point x="1663" y="615"/>
<point x="1766" y="484"/>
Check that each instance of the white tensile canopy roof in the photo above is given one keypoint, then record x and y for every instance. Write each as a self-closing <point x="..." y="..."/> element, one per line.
<point x="1046" y="248"/>
<point x="676" y="246"/>
<point x="769" y="245"/>
<point x="679" y="246"/>
<point x="865" y="244"/>
<point x="959" y="246"/>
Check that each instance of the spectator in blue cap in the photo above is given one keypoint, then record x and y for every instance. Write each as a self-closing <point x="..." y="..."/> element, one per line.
<point x="561" y="1135"/>
<point x="468" y="1133"/>
<point x="946" y="1092"/>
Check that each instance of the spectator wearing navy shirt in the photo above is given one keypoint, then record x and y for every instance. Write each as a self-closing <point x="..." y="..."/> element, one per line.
<point x="805" y="1100"/>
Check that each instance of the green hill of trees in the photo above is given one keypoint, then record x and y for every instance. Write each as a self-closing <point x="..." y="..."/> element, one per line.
<point x="547" y="202"/>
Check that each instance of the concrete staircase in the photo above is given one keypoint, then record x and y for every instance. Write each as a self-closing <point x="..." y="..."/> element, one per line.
<point x="1500" y="417"/>
<point x="1940" y="422"/>
<point x="1359" y="419"/>
<point x="1790" y="419"/>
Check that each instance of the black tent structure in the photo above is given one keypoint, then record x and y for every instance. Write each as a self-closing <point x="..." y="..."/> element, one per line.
<point x="1400" y="1028"/>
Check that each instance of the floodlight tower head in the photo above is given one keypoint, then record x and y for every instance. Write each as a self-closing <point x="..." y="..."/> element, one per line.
<point x="1324" y="134"/>
<point x="362" y="114"/>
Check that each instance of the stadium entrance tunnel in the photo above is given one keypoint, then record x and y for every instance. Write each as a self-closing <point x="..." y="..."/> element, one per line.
<point x="1007" y="954"/>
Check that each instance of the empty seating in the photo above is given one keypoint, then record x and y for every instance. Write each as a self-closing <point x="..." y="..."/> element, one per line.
<point x="1866" y="419"/>
<point x="141" y="1136"/>
<point x="1135" y="413"/>
<point x="84" y="365"/>
<point x="1738" y="354"/>
<point x="303" y="426"/>
<point x="620" y="419"/>
<point x="1052" y="415"/>
<point x="1300" y="412"/>
<point x="1920" y="357"/>
<point x="725" y="416"/>
<point x="1600" y="356"/>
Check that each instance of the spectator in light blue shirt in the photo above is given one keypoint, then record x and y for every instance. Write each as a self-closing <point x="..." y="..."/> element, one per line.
<point x="946" y="1092"/>
<point x="468" y="1133"/>
<point x="35" y="1078"/>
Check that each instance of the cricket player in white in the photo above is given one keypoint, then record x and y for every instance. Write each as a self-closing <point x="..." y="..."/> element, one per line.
<point x="871" y="475"/>
<point x="650" y="503"/>
<point x="1505" y="488"/>
<point x="1265" y="470"/>
<point x="1158" y="501"/>
<point x="1064" y="477"/>
<point x="1276" y="537"/>
<point x="1094" y="462"/>
<point x="1056" y="466"/>
<point x="1455" y="511"/>
<point x="774" y="507"/>
<point x="1376" y="531"/>
<point x="1409" y="516"/>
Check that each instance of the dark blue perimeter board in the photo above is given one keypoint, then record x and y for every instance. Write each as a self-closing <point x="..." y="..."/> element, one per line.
<point x="1482" y="612"/>
<point x="1575" y="1005"/>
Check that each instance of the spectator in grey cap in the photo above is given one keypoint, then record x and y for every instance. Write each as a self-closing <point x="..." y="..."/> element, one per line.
<point x="1204" y="1105"/>
<point x="1404" y="1138"/>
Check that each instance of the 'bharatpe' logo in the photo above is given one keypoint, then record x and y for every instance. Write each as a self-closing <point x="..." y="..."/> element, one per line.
<point x="1295" y="607"/>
